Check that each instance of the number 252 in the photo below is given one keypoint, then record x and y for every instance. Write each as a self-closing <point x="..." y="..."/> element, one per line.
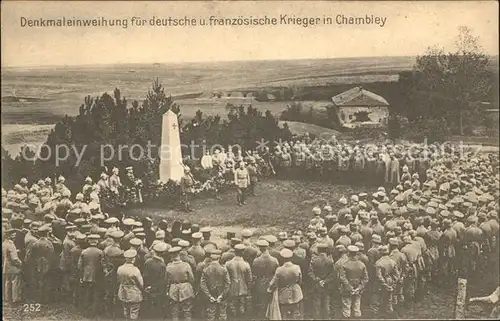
<point x="31" y="307"/>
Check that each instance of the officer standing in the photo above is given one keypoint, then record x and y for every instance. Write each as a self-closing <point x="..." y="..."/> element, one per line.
<point x="187" y="188"/>
<point x="321" y="274"/>
<point x="214" y="287"/>
<point x="253" y="171"/>
<point x="42" y="255"/>
<point x="240" y="273"/>
<point x="242" y="181"/>
<point x="287" y="281"/>
<point x="154" y="279"/>
<point x="387" y="277"/>
<point x="130" y="286"/>
<point x="353" y="277"/>
<point x="91" y="273"/>
<point x="263" y="268"/>
<point x="11" y="269"/>
<point x="179" y="286"/>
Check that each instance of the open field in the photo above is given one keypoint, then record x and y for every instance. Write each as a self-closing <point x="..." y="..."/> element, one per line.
<point x="41" y="96"/>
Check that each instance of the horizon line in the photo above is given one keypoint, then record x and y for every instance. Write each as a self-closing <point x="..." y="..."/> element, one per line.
<point x="202" y="61"/>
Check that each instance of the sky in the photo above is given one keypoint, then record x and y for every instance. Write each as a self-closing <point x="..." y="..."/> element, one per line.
<point x="410" y="28"/>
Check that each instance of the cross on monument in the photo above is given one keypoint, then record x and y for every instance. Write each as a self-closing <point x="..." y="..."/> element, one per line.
<point x="174" y="125"/>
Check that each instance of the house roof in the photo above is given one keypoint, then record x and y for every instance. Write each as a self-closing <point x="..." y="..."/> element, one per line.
<point x="358" y="96"/>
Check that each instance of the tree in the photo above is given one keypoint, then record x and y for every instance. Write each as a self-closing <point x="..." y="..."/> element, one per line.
<point x="448" y="85"/>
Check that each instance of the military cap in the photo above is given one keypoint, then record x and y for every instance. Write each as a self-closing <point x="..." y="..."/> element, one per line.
<point x="81" y="236"/>
<point x="246" y="233"/>
<point x="205" y="230"/>
<point x="467" y="204"/>
<point x="262" y="243"/>
<point x="343" y="200"/>
<point x="128" y="222"/>
<point x="430" y="211"/>
<point x="235" y="241"/>
<point x="160" y="247"/>
<point x="117" y="234"/>
<point x="231" y="234"/>
<point x="376" y="238"/>
<point x="444" y="213"/>
<point x="239" y="247"/>
<point x="363" y="194"/>
<point x="186" y="232"/>
<point x="288" y="243"/>
<point x="458" y="214"/>
<point x="446" y="221"/>
<point x="286" y="253"/>
<point x="175" y="241"/>
<point x="335" y="218"/>
<point x="383" y="249"/>
<point x="481" y="215"/>
<point x="140" y="235"/>
<point x="93" y="237"/>
<point x="44" y="228"/>
<point x="137" y="230"/>
<point x="135" y="242"/>
<point x="360" y="245"/>
<point x="270" y="238"/>
<point x="352" y="248"/>
<point x="209" y="247"/>
<point x="183" y="243"/>
<point x="340" y="248"/>
<point x="71" y="227"/>
<point x="137" y="224"/>
<point x="328" y="208"/>
<point x="393" y="241"/>
<point x="175" y="249"/>
<point x="472" y="219"/>
<point x="197" y="235"/>
<point x="282" y="235"/>
<point x="111" y="220"/>
<point x="160" y="234"/>
<point x="216" y="252"/>
<point x="130" y="254"/>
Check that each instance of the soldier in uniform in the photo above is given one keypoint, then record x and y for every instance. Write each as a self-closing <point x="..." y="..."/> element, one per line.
<point x="242" y="181"/>
<point x="263" y="268"/>
<point x="187" y="185"/>
<point x="154" y="279"/>
<point x="65" y="260"/>
<point x="402" y="266"/>
<point x="130" y="286"/>
<point x="321" y="274"/>
<point x="42" y="255"/>
<point x="179" y="286"/>
<point x="112" y="259"/>
<point x="196" y="250"/>
<point x="447" y="244"/>
<point x="91" y="273"/>
<point x="353" y="277"/>
<point x="251" y="251"/>
<point x="239" y="295"/>
<point x="11" y="269"/>
<point x="387" y="277"/>
<point x="214" y="286"/>
<point x="287" y="281"/>
<point x="253" y="172"/>
<point x="115" y="181"/>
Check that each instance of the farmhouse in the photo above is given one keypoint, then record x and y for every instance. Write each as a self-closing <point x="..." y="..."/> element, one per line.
<point x="358" y="107"/>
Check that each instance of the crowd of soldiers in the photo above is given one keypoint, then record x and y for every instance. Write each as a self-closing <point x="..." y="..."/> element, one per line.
<point x="380" y="251"/>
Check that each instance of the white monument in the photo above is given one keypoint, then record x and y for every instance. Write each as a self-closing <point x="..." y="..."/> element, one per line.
<point x="171" y="166"/>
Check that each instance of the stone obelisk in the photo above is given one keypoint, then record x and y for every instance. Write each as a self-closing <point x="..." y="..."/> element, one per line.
<point x="171" y="167"/>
